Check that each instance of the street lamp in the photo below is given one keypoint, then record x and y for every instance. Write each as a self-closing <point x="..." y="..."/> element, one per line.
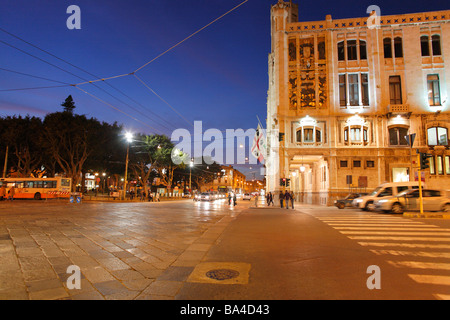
<point x="129" y="138"/>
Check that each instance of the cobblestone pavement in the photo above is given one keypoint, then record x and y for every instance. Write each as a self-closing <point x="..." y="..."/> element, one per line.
<point x="124" y="250"/>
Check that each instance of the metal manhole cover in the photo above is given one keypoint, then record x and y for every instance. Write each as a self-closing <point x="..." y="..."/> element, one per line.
<point x="222" y="274"/>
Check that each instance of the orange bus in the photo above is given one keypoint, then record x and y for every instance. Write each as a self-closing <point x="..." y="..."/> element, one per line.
<point x="38" y="188"/>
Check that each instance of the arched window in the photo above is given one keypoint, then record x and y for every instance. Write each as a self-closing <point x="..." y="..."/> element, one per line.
<point x="309" y="135"/>
<point x="436" y="44"/>
<point x="387" y="44"/>
<point x="398" y="47"/>
<point x="351" y="50"/>
<point x="341" y="51"/>
<point x="356" y="134"/>
<point x="397" y="136"/>
<point x="424" y="45"/>
<point x="437" y="136"/>
<point x="362" y="50"/>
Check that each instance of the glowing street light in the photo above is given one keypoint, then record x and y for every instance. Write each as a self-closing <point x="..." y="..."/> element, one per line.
<point x="129" y="138"/>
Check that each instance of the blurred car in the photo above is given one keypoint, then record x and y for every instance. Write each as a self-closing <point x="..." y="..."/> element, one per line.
<point x="247" y="196"/>
<point x="205" y="196"/>
<point x="347" y="201"/>
<point x="433" y="200"/>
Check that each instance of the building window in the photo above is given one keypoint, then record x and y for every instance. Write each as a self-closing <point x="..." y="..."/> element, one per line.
<point x="318" y="136"/>
<point x="356" y="164"/>
<point x="387" y="47"/>
<point x="395" y="89"/>
<point x="370" y="164"/>
<point x="355" y="134"/>
<point x="362" y="50"/>
<point x="342" y="90"/>
<point x="434" y="93"/>
<point x="308" y="135"/>
<point x="299" y="135"/>
<point x="398" y="47"/>
<point x="365" y="89"/>
<point x="447" y="164"/>
<point x="343" y="164"/>
<point x="351" y="50"/>
<point x="432" y="165"/>
<point x="437" y="136"/>
<point x="436" y="44"/>
<point x="353" y="89"/>
<point x="425" y="47"/>
<point x="397" y="136"/>
<point x="440" y="165"/>
<point x="341" y="51"/>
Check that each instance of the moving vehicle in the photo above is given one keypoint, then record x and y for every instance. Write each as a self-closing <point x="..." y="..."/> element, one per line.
<point x="38" y="188"/>
<point x="247" y="196"/>
<point x="205" y="196"/>
<point x="347" y="201"/>
<point x="433" y="200"/>
<point x="384" y="190"/>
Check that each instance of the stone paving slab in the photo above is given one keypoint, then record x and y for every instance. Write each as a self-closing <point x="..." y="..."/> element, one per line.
<point x="124" y="251"/>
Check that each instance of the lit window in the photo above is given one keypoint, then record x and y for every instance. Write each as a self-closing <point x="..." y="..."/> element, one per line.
<point x="437" y="136"/>
<point x="353" y="89"/>
<point x="447" y="164"/>
<point x="440" y="165"/>
<point x="434" y="93"/>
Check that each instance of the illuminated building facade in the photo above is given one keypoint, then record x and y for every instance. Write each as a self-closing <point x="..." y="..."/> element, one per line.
<point x="343" y="94"/>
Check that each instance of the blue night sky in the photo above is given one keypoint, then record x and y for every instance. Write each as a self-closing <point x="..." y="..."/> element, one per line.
<point x="219" y="76"/>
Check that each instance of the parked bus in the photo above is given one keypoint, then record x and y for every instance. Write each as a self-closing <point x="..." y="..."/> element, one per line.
<point x="38" y="188"/>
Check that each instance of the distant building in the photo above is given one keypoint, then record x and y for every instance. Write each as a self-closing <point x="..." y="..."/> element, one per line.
<point x="344" y="94"/>
<point x="230" y="180"/>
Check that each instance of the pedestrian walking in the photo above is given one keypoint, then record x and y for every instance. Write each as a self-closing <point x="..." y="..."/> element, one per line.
<point x="11" y="193"/>
<point x="229" y="198"/>
<point x="281" y="196"/>
<point x="292" y="200"/>
<point x="157" y="197"/>
<point x="2" y="193"/>
<point x="287" y="198"/>
<point x="234" y="199"/>
<point x="270" y="198"/>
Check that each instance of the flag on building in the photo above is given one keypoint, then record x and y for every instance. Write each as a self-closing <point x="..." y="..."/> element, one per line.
<point x="259" y="144"/>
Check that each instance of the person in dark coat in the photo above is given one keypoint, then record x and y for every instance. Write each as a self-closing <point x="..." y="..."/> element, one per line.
<point x="287" y="197"/>
<point x="234" y="199"/>
<point x="281" y="198"/>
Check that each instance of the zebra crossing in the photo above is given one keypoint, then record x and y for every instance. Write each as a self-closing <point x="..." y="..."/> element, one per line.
<point x="422" y="249"/>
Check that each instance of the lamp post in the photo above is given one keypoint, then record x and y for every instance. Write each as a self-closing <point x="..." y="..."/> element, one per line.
<point x="191" y="164"/>
<point x="129" y="138"/>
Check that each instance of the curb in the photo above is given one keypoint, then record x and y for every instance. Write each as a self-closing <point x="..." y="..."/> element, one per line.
<point x="427" y="215"/>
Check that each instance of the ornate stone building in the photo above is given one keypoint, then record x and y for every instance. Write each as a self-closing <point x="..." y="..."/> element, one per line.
<point x="343" y="94"/>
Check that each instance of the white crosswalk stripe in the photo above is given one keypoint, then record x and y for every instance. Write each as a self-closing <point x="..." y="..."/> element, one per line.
<point x="407" y="244"/>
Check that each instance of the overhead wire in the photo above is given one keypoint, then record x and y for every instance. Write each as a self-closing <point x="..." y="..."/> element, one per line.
<point x="98" y="79"/>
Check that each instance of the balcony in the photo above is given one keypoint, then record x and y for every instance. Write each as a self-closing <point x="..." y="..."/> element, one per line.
<point x="398" y="108"/>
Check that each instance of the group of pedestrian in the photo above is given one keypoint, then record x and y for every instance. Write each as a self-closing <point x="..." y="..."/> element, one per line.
<point x="7" y="195"/>
<point x="269" y="198"/>
<point x="232" y="197"/>
<point x="285" y="198"/>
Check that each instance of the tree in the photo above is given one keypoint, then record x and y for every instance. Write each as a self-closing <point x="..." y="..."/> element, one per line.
<point x="22" y="135"/>
<point x="71" y="139"/>
<point x="68" y="104"/>
<point x="152" y="156"/>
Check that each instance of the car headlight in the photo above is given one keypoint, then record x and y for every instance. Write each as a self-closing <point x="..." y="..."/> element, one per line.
<point x="359" y="200"/>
